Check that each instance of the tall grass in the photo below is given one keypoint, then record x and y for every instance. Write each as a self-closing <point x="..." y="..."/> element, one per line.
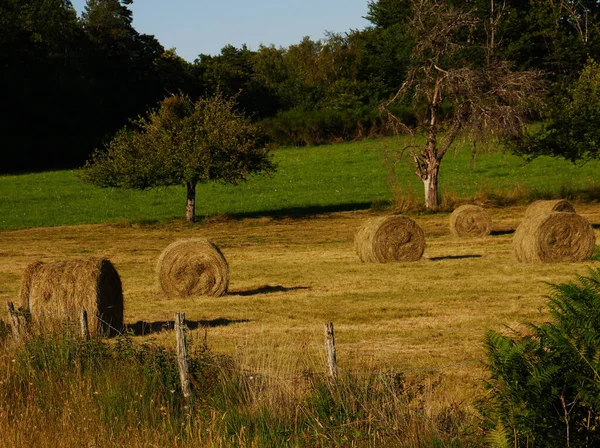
<point x="309" y="180"/>
<point x="58" y="390"/>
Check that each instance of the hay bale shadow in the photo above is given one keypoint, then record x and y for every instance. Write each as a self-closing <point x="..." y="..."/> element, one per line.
<point x="502" y="232"/>
<point x="454" y="257"/>
<point x="267" y="289"/>
<point x="142" y="328"/>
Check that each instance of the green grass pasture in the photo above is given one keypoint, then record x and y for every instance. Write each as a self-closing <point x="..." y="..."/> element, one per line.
<point x="339" y="177"/>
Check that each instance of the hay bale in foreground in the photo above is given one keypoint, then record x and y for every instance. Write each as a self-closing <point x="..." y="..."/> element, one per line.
<point x="389" y="238"/>
<point x="543" y="207"/>
<point x="470" y="220"/>
<point x="193" y="267"/>
<point x="553" y="238"/>
<point x="60" y="290"/>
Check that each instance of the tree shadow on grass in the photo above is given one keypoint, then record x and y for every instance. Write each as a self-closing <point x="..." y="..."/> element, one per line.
<point x="141" y="328"/>
<point x="595" y="226"/>
<point x="302" y="212"/>
<point x="454" y="257"/>
<point x="266" y="289"/>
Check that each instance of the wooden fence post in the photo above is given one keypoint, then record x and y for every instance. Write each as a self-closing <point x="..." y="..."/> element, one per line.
<point x="85" y="330"/>
<point x="14" y="321"/>
<point x="182" y="355"/>
<point x="330" y="348"/>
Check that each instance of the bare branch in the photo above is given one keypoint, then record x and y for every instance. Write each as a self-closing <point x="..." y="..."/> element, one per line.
<point x="485" y="103"/>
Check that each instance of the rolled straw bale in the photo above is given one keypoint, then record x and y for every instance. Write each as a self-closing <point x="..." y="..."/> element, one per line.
<point x="193" y="266"/>
<point x="470" y="220"/>
<point x="543" y="207"/>
<point x="60" y="290"/>
<point x="389" y="238"/>
<point x="553" y="238"/>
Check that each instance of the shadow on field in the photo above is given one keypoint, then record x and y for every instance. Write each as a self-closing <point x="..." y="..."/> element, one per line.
<point x="502" y="232"/>
<point x="595" y="226"/>
<point x="141" y="328"/>
<point x="454" y="257"/>
<point x="300" y="212"/>
<point x="266" y="289"/>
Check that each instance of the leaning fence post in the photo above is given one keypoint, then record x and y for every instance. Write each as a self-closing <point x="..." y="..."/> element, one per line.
<point x="182" y="355"/>
<point x="85" y="330"/>
<point x="330" y="348"/>
<point x="14" y="321"/>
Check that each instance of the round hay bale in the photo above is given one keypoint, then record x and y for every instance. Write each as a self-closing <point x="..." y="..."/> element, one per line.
<point x="470" y="221"/>
<point x="193" y="267"/>
<point x="553" y="238"/>
<point x="60" y="290"/>
<point x="388" y="239"/>
<point x="543" y="207"/>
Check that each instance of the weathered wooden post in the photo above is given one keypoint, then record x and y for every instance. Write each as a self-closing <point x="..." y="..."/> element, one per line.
<point x="13" y="319"/>
<point x="85" y="330"/>
<point x="182" y="355"/>
<point x="330" y="348"/>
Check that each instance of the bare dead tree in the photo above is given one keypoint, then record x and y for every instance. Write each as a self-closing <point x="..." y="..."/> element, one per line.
<point x="480" y="102"/>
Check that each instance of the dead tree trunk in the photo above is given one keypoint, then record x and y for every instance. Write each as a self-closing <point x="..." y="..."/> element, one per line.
<point x="190" y="205"/>
<point x="430" y="183"/>
<point x="428" y="170"/>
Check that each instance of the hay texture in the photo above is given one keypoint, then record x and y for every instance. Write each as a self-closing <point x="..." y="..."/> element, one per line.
<point x="554" y="238"/>
<point x="193" y="267"/>
<point x="388" y="239"/>
<point x="58" y="291"/>
<point x="543" y="207"/>
<point x="470" y="221"/>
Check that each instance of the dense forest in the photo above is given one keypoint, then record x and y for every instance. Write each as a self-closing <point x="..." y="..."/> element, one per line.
<point x="70" y="82"/>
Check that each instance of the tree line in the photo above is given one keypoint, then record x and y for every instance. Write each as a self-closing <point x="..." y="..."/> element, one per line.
<point x="70" y="83"/>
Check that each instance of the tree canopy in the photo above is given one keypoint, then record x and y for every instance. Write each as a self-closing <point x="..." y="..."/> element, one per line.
<point x="572" y="128"/>
<point x="72" y="81"/>
<point x="182" y="143"/>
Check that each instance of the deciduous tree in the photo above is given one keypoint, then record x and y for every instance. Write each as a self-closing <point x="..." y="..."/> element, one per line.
<point x="572" y="129"/>
<point x="182" y="142"/>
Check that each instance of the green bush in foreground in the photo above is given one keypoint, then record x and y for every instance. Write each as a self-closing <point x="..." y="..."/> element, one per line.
<point x="544" y="388"/>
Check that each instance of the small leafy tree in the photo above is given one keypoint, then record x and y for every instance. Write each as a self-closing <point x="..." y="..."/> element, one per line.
<point x="452" y="95"/>
<point x="544" y="388"/>
<point x="182" y="142"/>
<point x="572" y="130"/>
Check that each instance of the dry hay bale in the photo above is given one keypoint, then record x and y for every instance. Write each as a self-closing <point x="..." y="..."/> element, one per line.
<point x="60" y="290"/>
<point x="389" y="238"/>
<point x="193" y="267"/>
<point x="543" y="207"/>
<point x="553" y="238"/>
<point x="470" y="220"/>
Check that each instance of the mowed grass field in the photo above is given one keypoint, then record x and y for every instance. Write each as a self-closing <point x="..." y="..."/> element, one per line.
<point x="290" y="276"/>
<point x="289" y="242"/>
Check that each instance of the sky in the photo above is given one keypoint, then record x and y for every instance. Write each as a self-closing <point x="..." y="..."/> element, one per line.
<point x="196" y="27"/>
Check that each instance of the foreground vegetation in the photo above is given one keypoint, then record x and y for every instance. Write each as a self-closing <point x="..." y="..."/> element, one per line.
<point x="349" y="176"/>
<point x="128" y="394"/>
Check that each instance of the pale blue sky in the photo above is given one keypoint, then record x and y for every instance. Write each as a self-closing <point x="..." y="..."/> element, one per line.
<point x="200" y="26"/>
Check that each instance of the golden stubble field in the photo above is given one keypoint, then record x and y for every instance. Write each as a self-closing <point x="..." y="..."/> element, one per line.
<point x="290" y="276"/>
